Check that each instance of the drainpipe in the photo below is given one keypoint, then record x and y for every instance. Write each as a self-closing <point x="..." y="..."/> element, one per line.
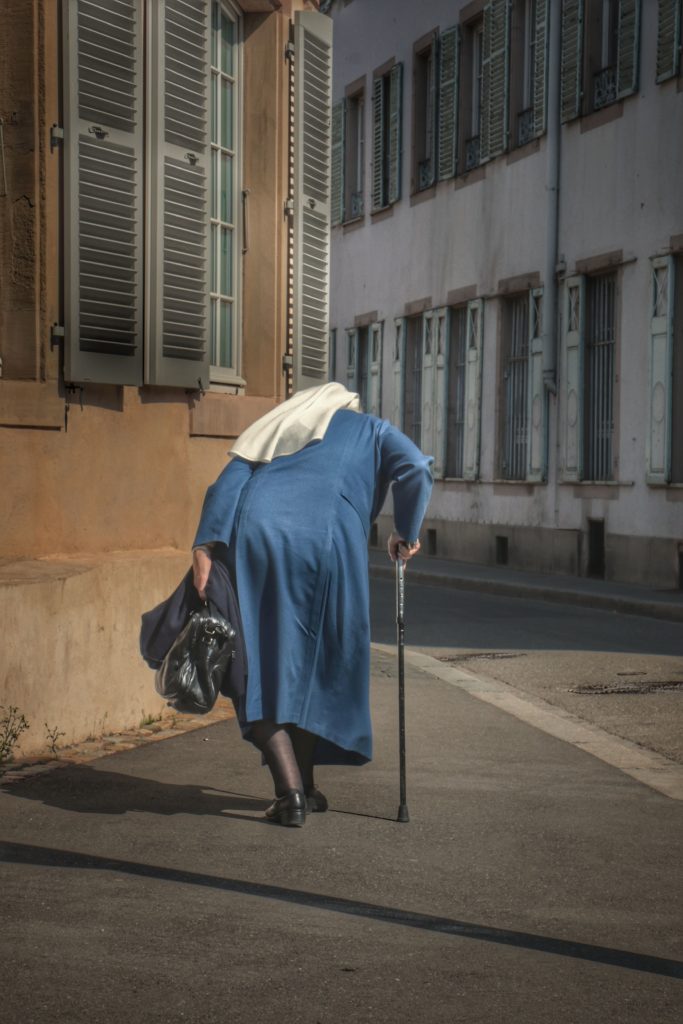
<point x="550" y="291"/>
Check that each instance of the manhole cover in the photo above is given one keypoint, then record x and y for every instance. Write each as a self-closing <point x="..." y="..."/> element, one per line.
<point x="605" y="689"/>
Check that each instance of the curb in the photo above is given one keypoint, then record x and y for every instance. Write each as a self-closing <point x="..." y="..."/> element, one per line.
<point x="607" y="602"/>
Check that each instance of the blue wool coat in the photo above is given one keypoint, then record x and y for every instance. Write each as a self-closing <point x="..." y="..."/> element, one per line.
<point x="296" y="531"/>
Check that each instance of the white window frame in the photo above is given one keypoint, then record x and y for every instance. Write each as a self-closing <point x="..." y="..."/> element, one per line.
<point x="231" y="375"/>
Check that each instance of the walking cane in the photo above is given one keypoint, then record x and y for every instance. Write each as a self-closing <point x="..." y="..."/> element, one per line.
<point x="400" y="635"/>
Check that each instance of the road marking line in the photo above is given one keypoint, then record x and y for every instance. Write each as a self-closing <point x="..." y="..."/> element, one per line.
<point x="646" y="766"/>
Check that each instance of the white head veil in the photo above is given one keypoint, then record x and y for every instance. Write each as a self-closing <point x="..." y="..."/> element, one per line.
<point x="293" y="424"/>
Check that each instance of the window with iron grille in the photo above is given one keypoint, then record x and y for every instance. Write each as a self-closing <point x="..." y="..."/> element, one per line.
<point x="362" y="367"/>
<point x="515" y="374"/>
<point x="677" y="375"/>
<point x="599" y="362"/>
<point x="472" y="69"/>
<point x="424" y="114"/>
<point x="354" y="156"/>
<point x="412" y="380"/>
<point x="387" y="105"/>
<point x="225" y="255"/>
<point x="455" y="412"/>
<point x="528" y="53"/>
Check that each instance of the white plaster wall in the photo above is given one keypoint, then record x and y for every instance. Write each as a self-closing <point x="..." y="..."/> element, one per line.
<point x="619" y="190"/>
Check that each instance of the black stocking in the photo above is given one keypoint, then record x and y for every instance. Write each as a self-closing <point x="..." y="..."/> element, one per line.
<point x="303" y="744"/>
<point x="275" y="744"/>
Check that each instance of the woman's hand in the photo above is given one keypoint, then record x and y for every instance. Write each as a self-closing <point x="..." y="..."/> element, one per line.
<point x="201" y="568"/>
<point x="400" y="548"/>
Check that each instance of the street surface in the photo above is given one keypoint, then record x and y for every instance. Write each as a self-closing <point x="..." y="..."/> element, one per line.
<point x="534" y="882"/>
<point x="621" y="672"/>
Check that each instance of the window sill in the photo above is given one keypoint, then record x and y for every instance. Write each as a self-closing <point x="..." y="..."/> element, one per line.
<point x="353" y="225"/>
<point x="386" y="211"/>
<point x="605" y="115"/>
<point x="421" y="195"/>
<point x="470" y="177"/>
<point x="520" y="152"/>
<point x="224" y="380"/>
<point x="673" y="486"/>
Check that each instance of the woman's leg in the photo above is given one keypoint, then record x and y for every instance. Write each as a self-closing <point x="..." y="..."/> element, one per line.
<point x="303" y="743"/>
<point x="275" y="744"/>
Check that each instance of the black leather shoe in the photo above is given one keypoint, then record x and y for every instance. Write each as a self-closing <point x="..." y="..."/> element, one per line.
<point x="289" y="809"/>
<point x="315" y="801"/>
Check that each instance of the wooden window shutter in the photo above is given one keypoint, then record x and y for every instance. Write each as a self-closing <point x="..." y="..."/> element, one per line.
<point x="312" y="194"/>
<point x="668" y="39"/>
<point x="338" y="161"/>
<point x="475" y="340"/>
<point x="178" y="349"/>
<point x="378" y="197"/>
<point x="572" y="390"/>
<point x="395" y="132"/>
<point x="541" y="66"/>
<point x="375" y="369"/>
<point x="495" y="109"/>
<point x="658" y="440"/>
<point x="628" y="47"/>
<point x="103" y="165"/>
<point x="352" y="359"/>
<point x="440" y="394"/>
<point x="449" y="56"/>
<point x="571" y="71"/>
<point x="537" y="396"/>
<point x="398" y="364"/>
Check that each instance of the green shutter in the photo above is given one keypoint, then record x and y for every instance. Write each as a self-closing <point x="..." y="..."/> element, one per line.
<point x="448" y="102"/>
<point x="427" y="434"/>
<point x="352" y="359"/>
<point x="572" y="396"/>
<point x="440" y="399"/>
<point x="475" y="340"/>
<point x="312" y="136"/>
<point x="179" y="216"/>
<point x="495" y="109"/>
<point x="628" y="48"/>
<point x="571" y="73"/>
<point x="338" y="157"/>
<point x="398" y="363"/>
<point x="668" y="39"/>
<point x="378" y="197"/>
<point x="541" y="66"/>
<point x="537" y="396"/>
<point x="375" y="369"/>
<point x="395" y="132"/>
<point x="103" y="169"/>
<point x="658" y="441"/>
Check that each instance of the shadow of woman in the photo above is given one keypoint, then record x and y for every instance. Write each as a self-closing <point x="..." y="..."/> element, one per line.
<point x="86" y="790"/>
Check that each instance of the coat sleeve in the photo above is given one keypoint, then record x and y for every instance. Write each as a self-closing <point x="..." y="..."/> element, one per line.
<point x="407" y="470"/>
<point x="220" y="504"/>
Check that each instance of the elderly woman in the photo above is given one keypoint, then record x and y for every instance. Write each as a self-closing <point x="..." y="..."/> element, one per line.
<point x="290" y="515"/>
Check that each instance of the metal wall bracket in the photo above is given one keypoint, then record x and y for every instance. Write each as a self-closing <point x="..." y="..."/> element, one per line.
<point x="289" y="51"/>
<point x="56" y="135"/>
<point x="57" y="334"/>
<point x="287" y="362"/>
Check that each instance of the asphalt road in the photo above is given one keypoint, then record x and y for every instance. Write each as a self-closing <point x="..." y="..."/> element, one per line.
<point x="534" y="883"/>
<point x="621" y="672"/>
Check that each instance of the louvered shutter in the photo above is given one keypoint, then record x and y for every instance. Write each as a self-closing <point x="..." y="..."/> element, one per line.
<point x="658" y="440"/>
<point x="537" y="396"/>
<point x="398" y="363"/>
<point x="472" y="430"/>
<point x="178" y="349"/>
<point x="378" y="197"/>
<point x="375" y="370"/>
<point x="541" y="66"/>
<point x="495" y="79"/>
<point x="628" y="47"/>
<point x="571" y="73"/>
<point x="572" y="391"/>
<point x="395" y="132"/>
<point x="427" y="419"/>
<point x="668" y="39"/>
<point x="338" y="146"/>
<point x="441" y="333"/>
<point x="449" y="58"/>
<point x="352" y="359"/>
<point x="312" y="144"/>
<point x="103" y="165"/>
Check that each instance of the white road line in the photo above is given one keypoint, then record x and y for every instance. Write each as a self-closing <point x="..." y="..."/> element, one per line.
<point x="652" y="769"/>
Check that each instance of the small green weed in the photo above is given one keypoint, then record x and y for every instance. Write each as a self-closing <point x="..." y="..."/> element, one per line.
<point x="12" y="724"/>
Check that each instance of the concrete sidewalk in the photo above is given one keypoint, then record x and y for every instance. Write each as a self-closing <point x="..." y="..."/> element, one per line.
<point x="534" y="882"/>
<point x="491" y="579"/>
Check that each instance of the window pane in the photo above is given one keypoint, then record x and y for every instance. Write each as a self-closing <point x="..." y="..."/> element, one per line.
<point x="215" y="22"/>
<point x="226" y="188"/>
<point x="214" y="108"/>
<point x="214" y="182"/>
<point x="227" y="39"/>
<point x="214" y="260"/>
<point x="225" y="349"/>
<point x="214" y="331"/>
<point x="226" y="114"/>
<point x="226" y="261"/>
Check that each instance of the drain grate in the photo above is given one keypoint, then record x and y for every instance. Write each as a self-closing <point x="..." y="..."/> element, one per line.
<point x="607" y="689"/>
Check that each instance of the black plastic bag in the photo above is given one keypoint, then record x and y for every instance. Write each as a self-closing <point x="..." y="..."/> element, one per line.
<point x="193" y="671"/>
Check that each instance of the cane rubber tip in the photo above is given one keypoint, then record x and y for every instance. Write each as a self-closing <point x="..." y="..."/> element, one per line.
<point x="403" y="813"/>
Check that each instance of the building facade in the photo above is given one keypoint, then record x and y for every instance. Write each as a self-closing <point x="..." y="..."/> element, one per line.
<point x="507" y="269"/>
<point x="164" y="253"/>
